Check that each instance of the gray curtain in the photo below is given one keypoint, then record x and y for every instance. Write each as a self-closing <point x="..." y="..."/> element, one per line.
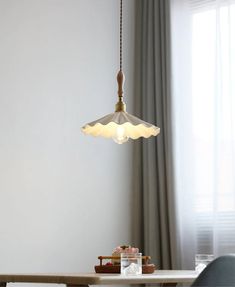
<point x="154" y="224"/>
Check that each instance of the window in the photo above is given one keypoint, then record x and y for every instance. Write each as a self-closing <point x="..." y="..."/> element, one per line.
<point x="204" y="108"/>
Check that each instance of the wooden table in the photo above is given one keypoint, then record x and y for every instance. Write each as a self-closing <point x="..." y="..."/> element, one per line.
<point x="164" y="277"/>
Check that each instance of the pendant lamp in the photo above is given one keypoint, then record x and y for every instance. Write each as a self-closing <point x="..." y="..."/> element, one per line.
<point x="120" y="125"/>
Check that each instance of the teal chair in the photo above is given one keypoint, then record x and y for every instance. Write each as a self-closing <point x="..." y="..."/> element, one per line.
<point x="220" y="272"/>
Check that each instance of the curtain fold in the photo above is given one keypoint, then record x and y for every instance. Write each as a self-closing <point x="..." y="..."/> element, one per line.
<point x="154" y="213"/>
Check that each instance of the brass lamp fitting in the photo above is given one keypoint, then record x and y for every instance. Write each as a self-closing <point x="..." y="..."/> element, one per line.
<point x="120" y="106"/>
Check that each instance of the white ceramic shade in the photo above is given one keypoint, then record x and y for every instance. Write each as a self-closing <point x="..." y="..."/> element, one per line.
<point x="109" y="125"/>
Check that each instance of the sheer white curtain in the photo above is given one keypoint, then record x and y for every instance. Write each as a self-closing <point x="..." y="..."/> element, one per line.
<point x="203" y="53"/>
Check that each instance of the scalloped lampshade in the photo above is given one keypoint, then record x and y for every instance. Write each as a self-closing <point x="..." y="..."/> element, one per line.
<point x="120" y="126"/>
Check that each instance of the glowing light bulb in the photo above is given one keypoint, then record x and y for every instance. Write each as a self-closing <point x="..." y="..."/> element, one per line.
<point x="120" y="136"/>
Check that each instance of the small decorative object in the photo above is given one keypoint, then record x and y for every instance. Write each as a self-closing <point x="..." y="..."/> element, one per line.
<point x="131" y="264"/>
<point x="114" y="266"/>
<point x="202" y="260"/>
<point x="123" y="249"/>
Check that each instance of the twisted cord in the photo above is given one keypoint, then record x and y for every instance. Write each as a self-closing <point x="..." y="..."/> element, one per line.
<point x="120" y="35"/>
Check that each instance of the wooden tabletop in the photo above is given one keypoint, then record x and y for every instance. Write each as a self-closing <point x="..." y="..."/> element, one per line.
<point x="159" y="276"/>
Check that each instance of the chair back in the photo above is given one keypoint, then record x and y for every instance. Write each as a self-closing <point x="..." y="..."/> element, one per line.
<point x="220" y="272"/>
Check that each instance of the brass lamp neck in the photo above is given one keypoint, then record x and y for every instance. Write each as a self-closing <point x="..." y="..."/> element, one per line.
<point x="120" y="106"/>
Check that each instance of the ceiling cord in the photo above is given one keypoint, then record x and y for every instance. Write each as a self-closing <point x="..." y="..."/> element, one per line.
<point x="120" y="35"/>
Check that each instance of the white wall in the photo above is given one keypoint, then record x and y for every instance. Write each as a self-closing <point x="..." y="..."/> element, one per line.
<point x="64" y="196"/>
